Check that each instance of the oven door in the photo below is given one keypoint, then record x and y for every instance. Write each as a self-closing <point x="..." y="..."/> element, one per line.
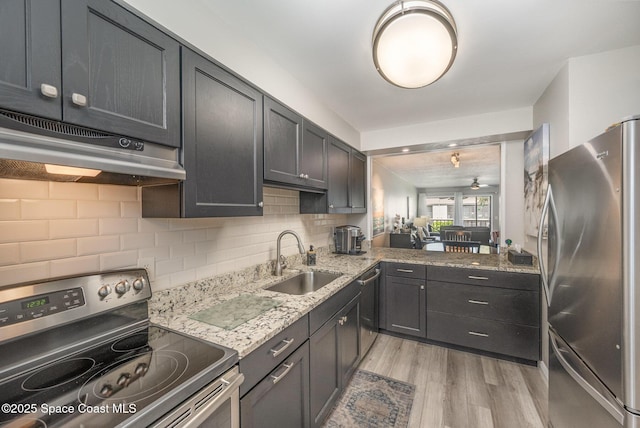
<point x="216" y="406"/>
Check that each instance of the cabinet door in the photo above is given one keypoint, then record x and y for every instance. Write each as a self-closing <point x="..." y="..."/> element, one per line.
<point x="282" y="398"/>
<point x="30" y="53"/>
<point x="282" y="139"/>
<point x="338" y="191"/>
<point x="324" y="370"/>
<point x="349" y="337"/>
<point x="120" y="74"/>
<point x="358" y="182"/>
<point x="405" y="306"/>
<point x="222" y="141"/>
<point x="313" y="156"/>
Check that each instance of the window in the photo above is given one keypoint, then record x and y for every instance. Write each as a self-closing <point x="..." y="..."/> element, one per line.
<point x="476" y="211"/>
<point x="441" y="211"/>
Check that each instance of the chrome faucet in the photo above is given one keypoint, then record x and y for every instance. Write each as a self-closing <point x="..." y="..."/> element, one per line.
<point x="280" y="260"/>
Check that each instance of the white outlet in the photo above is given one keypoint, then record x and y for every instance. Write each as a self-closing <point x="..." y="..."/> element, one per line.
<point x="148" y="263"/>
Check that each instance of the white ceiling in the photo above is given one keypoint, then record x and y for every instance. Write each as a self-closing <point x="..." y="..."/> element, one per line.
<point x="508" y="52"/>
<point x="434" y="169"/>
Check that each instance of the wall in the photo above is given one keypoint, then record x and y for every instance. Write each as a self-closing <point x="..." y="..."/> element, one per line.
<point x="460" y="128"/>
<point x="198" y="25"/>
<point x="50" y="229"/>
<point x="512" y="192"/>
<point x="396" y="191"/>
<point x="589" y="94"/>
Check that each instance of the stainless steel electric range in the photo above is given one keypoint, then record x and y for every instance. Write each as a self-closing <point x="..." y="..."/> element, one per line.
<point x="81" y="352"/>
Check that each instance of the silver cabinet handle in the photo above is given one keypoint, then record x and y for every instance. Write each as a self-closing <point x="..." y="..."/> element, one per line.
<point x="331" y="206"/>
<point x="278" y="378"/>
<point x="306" y="176"/>
<point x="475" y="333"/>
<point x="261" y="204"/>
<point x="79" y="99"/>
<point x="478" y="302"/>
<point x="276" y="352"/>
<point x="405" y="270"/>
<point x="303" y="175"/>
<point x="422" y="287"/>
<point x="483" y="278"/>
<point x="49" y="91"/>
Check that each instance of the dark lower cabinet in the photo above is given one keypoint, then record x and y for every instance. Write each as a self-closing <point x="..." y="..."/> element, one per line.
<point x="492" y="311"/>
<point x="282" y="398"/>
<point x="404" y="300"/>
<point x="334" y="356"/>
<point x="222" y="120"/>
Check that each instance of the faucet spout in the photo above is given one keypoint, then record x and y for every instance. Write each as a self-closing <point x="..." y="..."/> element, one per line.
<point x="280" y="264"/>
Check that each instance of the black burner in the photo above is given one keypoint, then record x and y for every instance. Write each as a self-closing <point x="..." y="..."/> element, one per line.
<point x="58" y="374"/>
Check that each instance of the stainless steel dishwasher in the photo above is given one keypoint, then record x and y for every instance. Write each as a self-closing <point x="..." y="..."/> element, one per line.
<point x="369" y="283"/>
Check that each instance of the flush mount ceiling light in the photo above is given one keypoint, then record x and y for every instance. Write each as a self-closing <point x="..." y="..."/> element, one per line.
<point x="455" y="160"/>
<point x="414" y="43"/>
<point x="475" y="185"/>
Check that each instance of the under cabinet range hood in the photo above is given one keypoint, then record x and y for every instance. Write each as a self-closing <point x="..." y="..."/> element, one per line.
<point x="34" y="148"/>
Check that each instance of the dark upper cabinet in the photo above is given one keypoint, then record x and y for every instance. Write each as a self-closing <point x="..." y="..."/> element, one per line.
<point x="90" y="63"/>
<point x="295" y="150"/>
<point x="313" y="156"/>
<point x="120" y="74"/>
<point x="347" y="183"/>
<point x="358" y="182"/>
<point x="30" y="75"/>
<point x="222" y="122"/>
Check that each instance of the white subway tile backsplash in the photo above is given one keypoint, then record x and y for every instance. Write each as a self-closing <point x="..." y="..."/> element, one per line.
<point x="108" y="192"/>
<point x="33" y="209"/>
<point x="72" y="191"/>
<point x="112" y="226"/>
<point x="98" y="209"/>
<point x="133" y="241"/>
<point x="35" y="251"/>
<point x="121" y="260"/>
<point x="24" y="231"/>
<point x="98" y="245"/>
<point x="16" y="274"/>
<point x="72" y="228"/>
<point x="9" y="254"/>
<point x="25" y="189"/>
<point x="9" y="209"/>
<point x="75" y="265"/>
<point x="88" y="227"/>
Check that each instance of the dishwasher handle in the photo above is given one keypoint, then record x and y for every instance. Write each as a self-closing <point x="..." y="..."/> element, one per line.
<point x="364" y="282"/>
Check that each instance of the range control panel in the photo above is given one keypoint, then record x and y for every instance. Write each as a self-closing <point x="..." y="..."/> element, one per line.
<point x="31" y="307"/>
<point x="41" y="305"/>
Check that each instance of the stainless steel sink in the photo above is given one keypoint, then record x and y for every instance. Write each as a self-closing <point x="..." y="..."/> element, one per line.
<point x="304" y="283"/>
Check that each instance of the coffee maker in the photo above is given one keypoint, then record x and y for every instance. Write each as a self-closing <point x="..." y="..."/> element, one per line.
<point x="348" y="240"/>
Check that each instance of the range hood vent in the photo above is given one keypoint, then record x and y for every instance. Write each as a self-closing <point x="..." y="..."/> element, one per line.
<point x="27" y="143"/>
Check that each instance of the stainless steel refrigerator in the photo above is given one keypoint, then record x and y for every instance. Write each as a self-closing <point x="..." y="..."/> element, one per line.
<point x="592" y="281"/>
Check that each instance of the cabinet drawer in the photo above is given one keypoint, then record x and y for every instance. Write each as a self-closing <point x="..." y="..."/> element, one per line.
<point x="321" y="314"/>
<point x="487" y="335"/>
<point x="500" y="304"/>
<point x="406" y="270"/>
<point x="493" y="278"/>
<point x="260" y="362"/>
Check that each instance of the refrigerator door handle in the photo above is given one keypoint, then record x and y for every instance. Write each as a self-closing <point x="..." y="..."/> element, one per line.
<point x="585" y="385"/>
<point x="543" y="268"/>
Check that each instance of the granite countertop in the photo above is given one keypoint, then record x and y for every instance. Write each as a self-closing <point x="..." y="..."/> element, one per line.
<point x="173" y="308"/>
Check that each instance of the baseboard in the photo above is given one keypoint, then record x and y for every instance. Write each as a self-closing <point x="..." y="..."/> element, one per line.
<point x="545" y="370"/>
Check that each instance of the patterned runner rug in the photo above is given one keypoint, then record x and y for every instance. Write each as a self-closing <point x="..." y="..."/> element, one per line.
<point x="371" y="400"/>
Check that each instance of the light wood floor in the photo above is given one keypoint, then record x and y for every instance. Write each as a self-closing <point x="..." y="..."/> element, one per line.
<point x="456" y="389"/>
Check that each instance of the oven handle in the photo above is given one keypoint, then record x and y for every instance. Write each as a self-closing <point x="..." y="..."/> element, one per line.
<point x="368" y="280"/>
<point x="231" y="387"/>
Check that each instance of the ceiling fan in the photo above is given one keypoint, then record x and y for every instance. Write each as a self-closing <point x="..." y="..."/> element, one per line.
<point x="475" y="185"/>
